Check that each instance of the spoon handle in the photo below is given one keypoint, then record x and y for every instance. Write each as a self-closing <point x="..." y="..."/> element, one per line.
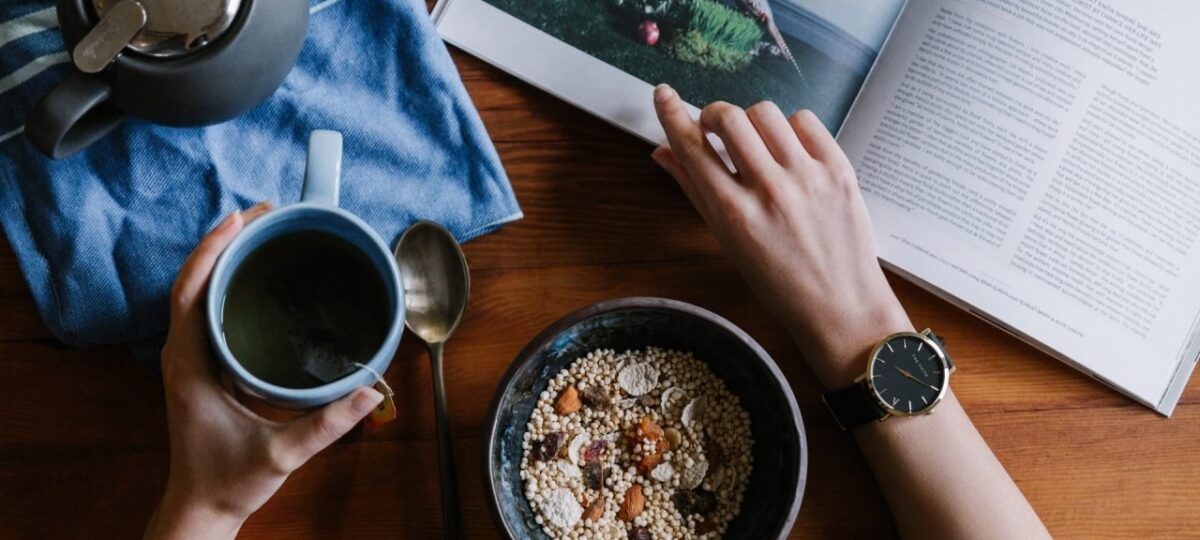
<point x="451" y="519"/>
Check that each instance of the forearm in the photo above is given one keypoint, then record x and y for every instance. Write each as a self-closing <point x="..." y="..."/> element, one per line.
<point x="941" y="479"/>
<point x="938" y="475"/>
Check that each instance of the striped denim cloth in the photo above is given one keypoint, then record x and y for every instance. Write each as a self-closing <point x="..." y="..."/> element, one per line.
<point x="101" y="235"/>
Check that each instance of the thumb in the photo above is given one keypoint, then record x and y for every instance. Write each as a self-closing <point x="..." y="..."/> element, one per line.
<point x="303" y="437"/>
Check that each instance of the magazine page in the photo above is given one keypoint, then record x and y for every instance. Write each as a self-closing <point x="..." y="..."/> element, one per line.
<point x="1039" y="161"/>
<point x="605" y="56"/>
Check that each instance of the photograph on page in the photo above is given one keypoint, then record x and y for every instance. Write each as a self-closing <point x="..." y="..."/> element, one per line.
<point x="810" y="54"/>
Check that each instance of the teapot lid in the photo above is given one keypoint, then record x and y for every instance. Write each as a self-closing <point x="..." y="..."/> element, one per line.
<point x="178" y="27"/>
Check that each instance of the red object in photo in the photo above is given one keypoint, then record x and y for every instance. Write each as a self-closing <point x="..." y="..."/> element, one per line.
<point x="648" y="31"/>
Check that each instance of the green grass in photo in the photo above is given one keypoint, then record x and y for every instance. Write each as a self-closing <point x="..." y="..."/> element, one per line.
<point x="724" y="27"/>
<point x="716" y="37"/>
<point x="605" y="31"/>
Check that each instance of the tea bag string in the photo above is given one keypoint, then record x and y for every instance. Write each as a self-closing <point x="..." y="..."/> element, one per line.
<point x="378" y="377"/>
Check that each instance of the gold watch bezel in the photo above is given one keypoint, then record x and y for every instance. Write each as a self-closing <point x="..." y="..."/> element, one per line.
<point x="947" y="367"/>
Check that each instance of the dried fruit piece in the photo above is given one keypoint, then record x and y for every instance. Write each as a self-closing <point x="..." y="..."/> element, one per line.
<point x="705" y="501"/>
<point x="638" y="379"/>
<point x="648" y="462"/>
<point x="640" y="533"/>
<point x="568" y="401"/>
<point x="704" y="527"/>
<point x="595" y="510"/>
<point x="633" y="504"/>
<point x="593" y="475"/>
<point x="683" y="503"/>
<point x="713" y="452"/>
<point x="697" y="501"/>
<point x="577" y="445"/>
<point x="549" y="447"/>
<point x="595" y="450"/>
<point x="649" y="429"/>
<point x="595" y="398"/>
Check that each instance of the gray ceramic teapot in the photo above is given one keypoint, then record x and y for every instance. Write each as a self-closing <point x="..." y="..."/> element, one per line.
<point x="171" y="62"/>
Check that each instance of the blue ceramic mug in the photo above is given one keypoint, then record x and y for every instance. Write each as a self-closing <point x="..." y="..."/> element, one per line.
<point x="317" y="211"/>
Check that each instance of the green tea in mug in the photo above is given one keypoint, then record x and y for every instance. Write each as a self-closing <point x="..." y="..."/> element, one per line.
<point x="303" y="308"/>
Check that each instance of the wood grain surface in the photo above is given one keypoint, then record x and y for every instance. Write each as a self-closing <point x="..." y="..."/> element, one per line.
<point x="83" y="446"/>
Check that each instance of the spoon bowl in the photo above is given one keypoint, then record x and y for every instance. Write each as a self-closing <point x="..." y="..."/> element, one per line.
<point x="436" y="279"/>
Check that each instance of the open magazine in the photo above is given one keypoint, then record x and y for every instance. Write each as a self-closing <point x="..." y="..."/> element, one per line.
<point x="1035" y="163"/>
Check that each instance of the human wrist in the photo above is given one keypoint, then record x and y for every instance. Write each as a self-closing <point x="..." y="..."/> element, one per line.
<point x="180" y="516"/>
<point x="837" y="351"/>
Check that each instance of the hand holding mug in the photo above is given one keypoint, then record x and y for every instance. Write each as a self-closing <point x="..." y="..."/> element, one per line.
<point x="226" y="461"/>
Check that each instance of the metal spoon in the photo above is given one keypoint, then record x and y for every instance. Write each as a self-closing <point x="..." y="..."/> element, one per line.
<point x="436" y="286"/>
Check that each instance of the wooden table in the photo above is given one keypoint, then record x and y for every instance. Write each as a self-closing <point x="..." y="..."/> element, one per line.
<point x="83" y="446"/>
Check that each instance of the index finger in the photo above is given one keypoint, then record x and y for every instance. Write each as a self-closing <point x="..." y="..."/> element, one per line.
<point x="704" y="167"/>
<point x="193" y="275"/>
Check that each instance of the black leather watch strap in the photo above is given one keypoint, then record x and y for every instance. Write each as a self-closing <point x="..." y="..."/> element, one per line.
<point x="942" y="343"/>
<point x="854" y="406"/>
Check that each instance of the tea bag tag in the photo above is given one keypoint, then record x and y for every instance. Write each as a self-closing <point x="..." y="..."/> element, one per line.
<point x="386" y="410"/>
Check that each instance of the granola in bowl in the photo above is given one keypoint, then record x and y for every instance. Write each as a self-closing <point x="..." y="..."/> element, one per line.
<point x="645" y="444"/>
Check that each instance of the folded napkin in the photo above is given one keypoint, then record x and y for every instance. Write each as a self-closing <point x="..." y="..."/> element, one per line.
<point x="100" y="236"/>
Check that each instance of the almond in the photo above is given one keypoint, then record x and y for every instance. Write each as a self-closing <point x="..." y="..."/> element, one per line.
<point x="595" y="510"/>
<point x="568" y="401"/>
<point x="633" y="504"/>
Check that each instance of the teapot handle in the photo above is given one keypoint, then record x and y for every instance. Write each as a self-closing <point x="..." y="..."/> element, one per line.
<point x="72" y="115"/>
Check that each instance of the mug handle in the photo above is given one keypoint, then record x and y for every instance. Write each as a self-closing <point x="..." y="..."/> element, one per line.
<point x="71" y="116"/>
<point x="323" y="172"/>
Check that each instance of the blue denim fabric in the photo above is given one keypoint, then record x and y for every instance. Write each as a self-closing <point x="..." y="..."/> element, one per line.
<point x="100" y="236"/>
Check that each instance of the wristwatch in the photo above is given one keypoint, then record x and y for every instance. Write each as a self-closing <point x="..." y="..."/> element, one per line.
<point x="908" y="374"/>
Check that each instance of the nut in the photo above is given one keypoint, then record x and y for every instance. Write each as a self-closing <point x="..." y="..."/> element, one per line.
<point x="568" y="401"/>
<point x="674" y="437"/>
<point x="633" y="504"/>
<point x="595" y="510"/>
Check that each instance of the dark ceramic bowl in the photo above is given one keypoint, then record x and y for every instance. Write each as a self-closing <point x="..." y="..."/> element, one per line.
<point x="780" y="451"/>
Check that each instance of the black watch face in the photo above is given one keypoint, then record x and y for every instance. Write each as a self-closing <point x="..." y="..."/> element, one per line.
<point x="908" y="375"/>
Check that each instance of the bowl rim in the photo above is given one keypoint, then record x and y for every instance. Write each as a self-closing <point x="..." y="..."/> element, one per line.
<point x="546" y="337"/>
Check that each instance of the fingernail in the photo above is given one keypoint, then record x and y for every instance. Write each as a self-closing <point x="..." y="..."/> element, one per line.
<point x="656" y="156"/>
<point x="663" y="92"/>
<point x="366" y="400"/>
<point x="259" y="208"/>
